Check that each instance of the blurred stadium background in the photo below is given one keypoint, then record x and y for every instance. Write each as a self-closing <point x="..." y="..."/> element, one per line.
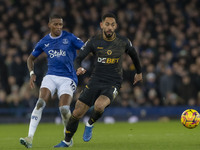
<point x="166" y="34"/>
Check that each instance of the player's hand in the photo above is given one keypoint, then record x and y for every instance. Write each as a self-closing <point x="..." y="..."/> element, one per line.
<point x="80" y="71"/>
<point x="32" y="81"/>
<point x="137" y="78"/>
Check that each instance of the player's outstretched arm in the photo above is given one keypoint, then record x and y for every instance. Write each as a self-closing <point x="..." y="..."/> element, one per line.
<point x="30" y="64"/>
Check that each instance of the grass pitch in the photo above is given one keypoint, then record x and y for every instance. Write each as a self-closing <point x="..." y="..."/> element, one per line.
<point x="119" y="136"/>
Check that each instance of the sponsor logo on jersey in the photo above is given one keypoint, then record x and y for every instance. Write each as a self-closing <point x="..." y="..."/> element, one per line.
<point x="107" y="60"/>
<point x="55" y="53"/>
<point x="65" y="41"/>
<point x="99" y="47"/>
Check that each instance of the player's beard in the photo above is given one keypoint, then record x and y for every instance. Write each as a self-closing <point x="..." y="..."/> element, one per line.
<point x="108" y="35"/>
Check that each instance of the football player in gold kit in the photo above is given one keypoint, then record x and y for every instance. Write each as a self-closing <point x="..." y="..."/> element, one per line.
<point x="106" y="79"/>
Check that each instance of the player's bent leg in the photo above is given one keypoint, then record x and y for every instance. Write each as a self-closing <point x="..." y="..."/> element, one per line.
<point x="35" y="119"/>
<point x="64" y="107"/>
<point x="79" y="111"/>
<point x="87" y="135"/>
<point x="36" y="116"/>
<point x="65" y="114"/>
<point x="45" y="94"/>
<point x="99" y="106"/>
<point x="27" y="142"/>
<point x="101" y="103"/>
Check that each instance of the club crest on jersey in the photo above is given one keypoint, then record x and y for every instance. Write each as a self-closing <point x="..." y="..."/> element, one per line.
<point x="109" y="52"/>
<point x="65" y="41"/>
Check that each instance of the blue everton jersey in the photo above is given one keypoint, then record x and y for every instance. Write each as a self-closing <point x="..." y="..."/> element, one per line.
<point x="61" y="52"/>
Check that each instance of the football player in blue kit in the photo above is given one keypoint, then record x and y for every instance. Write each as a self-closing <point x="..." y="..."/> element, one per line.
<point x="60" y="47"/>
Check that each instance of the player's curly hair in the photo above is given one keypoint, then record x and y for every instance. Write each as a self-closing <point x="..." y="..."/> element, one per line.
<point x="108" y="15"/>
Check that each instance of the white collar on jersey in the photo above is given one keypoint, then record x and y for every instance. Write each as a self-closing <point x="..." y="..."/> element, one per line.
<point x="56" y="36"/>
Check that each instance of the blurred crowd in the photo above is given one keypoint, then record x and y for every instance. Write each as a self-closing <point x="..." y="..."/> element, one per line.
<point x="166" y="34"/>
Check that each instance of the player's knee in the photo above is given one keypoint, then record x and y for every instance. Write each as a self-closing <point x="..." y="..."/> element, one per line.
<point x="40" y="103"/>
<point x="99" y="108"/>
<point x="78" y="114"/>
<point x="64" y="110"/>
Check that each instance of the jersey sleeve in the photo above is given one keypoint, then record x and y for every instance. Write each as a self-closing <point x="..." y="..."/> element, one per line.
<point x="131" y="51"/>
<point x="77" y="42"/>
<point x="37" y="50"/>
<point x="85" y="50"/>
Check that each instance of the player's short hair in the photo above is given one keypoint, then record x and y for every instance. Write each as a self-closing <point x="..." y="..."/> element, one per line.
<point x="54" y="16"/>
<point x="108" y="15"/>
